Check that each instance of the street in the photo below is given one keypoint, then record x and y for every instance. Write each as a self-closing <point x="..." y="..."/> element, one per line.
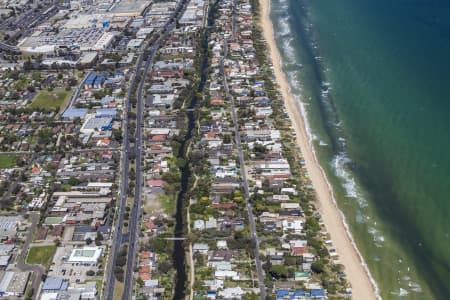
<point x="251" y="217"/>
<point x="36" y="269"/>
<point x="133" y="227"/>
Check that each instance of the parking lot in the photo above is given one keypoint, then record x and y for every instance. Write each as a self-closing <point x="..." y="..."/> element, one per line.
<point x="75" y="272"/>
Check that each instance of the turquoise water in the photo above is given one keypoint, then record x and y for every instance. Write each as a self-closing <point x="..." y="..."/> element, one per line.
<point x="374" y="78"/>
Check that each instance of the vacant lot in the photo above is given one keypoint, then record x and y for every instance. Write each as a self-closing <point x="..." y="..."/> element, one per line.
<point x="56" y="99"/>
<point x="41" y="255"/>
<point x="7" y="161"/>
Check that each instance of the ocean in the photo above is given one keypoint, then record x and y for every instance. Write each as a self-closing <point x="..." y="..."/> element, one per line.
<point x="373" y="77"/>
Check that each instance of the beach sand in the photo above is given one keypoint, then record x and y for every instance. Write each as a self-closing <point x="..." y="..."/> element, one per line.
<point x="363" y="286"/>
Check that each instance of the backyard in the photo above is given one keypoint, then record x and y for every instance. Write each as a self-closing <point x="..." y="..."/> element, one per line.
<point x="7" y="161"/>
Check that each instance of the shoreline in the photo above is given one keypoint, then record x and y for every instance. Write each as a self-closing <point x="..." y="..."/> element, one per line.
<point x="358" y="274"/>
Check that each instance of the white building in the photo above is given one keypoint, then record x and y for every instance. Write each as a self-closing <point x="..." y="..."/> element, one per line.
<point x="85" y="255"/>
<point x="135" y="44"/>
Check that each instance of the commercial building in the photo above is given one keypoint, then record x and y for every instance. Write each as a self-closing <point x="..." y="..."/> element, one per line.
<point x="85" y="255"/>
<point x="87" y="39"/>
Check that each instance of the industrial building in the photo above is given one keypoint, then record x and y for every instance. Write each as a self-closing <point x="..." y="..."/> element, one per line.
<point x="13" y="284"/>
<point x="93" y="124"/>
<point x="73" y="113"/>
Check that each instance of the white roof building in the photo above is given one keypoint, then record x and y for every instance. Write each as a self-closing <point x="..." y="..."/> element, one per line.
<point x="226" y="274"/>
<point x="134" y="44"/>
<point x="232" y="293"/>
<point x="199" y="225"/>
<point x="85" y="255"/>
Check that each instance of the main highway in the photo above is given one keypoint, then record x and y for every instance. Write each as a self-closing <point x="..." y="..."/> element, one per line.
<point x="118" y="226"/>
<point x="136" y="209"/>
<point x="133" y="228"/>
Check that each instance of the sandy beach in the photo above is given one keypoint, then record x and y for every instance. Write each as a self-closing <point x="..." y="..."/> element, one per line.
<point x="357" y="273"/>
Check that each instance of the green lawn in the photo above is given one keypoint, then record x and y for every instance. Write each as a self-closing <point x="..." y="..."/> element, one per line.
<point x="41" y="255"/>
<point x="56" y="99"/>
<point x="7" y="161"/>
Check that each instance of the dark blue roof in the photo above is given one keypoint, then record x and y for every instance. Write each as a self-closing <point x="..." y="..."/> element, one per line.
<point x="282" y="293"/>
<point x="91" y="76"/>
<point x="317" y="293"/>
<point x="83" y="229"/>
<point x="299" y="293"/>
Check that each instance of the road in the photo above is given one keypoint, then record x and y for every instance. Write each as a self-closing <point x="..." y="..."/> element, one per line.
<point x="69" y="151"/>
<point x="135" y="212"/>
<point x="251" y="217"/>
<point x="135" y="215"/>
<point x="133" y="227"/>
<point x="36" y="269"/>
<point x="9" y="48"/>
<point x="118" y="225"/>
<point x="76" y="93"/>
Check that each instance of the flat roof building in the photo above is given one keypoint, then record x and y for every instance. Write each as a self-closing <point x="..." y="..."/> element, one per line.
<point x="93" y="124"/>
<point x="73" y="113"/>
<point x="86" y="39"/>
<point x="85" y="255"/>
<point x="53" y="284"/>
<point x="144" y="32"/>
<point x="88" y="58"/>
<point x="134" y="44"/>
<point x="130" y="8"/>
<point x="13" y="283"/>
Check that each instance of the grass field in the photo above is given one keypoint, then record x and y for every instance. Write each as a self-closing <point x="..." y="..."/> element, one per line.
<point x="56" y="99"/>
<point x="41" y="255"/>
<point x="7" y="161"/>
